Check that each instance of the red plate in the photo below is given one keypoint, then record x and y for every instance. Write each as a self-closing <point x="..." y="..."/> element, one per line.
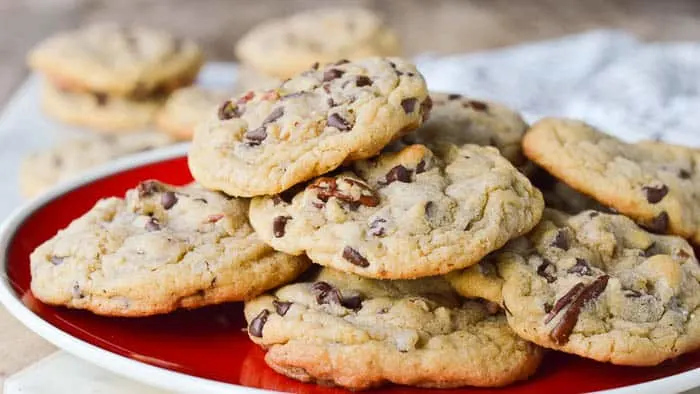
<point x="209" y="343"/>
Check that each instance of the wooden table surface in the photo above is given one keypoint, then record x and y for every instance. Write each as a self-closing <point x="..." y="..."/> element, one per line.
<point x="441" y="26"/>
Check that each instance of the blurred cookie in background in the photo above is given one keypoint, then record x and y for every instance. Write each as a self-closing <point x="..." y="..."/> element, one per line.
<point x="248" y="78"/>
<point x="185" y="108"/>
<point x="69" y="158"/>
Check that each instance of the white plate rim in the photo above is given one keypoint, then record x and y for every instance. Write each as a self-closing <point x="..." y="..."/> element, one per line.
<point x="161" y="377"/>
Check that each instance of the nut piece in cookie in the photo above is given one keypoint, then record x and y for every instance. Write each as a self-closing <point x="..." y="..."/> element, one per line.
<point x="161" y="248"/>
<point x="339" y="329"/>
<point x="265" y="142"/>
<point x="599" y="286"/>
<point x="654" y="183"/>
<point x="404" y="215"/>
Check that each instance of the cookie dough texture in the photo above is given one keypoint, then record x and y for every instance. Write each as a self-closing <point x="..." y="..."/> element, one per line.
<point x="161" y="248"/>
<point x="599" y="286"/>
<point x="460" y="120"/>
<point x="341" y="329"/>
<point x="656" y="184"/>
<point x="102" y="113"/>
<point x="67" y="159"/>
<point x="283" y="47"/>
<point x="265" y="142"/>
<point x="117" y="60"/>
<point x="186" y="108"/>
<point x="404" y="215"/>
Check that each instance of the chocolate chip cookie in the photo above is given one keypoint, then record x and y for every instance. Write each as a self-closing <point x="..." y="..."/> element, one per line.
<point x="656" y="184"/>
<point x="161" y="248"/>
<point x="340" y="329"/>
<point x="265" y="142"/>
<point x="109" y="59"/>
<point x="283" y="47"/>
<point x="599" y="286"/>
<point x="186" y="108"/>
<point x="462" y="120"/>
<point x="67" y="159"/>
<point x="404" y="215"/>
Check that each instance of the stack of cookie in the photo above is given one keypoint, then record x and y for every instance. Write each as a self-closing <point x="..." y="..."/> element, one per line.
<point x="435" y="260"/>
<point x="280" y="48"/>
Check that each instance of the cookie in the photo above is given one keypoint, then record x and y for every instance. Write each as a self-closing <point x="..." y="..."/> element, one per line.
<point x="187" y="107"/>
<point x="478" y="281"/>
<point x="247" y="78"/>
<point x="654" y="183"/>
<point x="461" y="120"/>
<point x="404" y="215"/>
<point x="344" y="330"/>
<point x="286" y="46"/>
<point x="599" y="286"/>
<point x="161" y="248"/>
<point x="108" y="114"/>
<point x="265" y="142"/>
<point x="134" y="62"/>
<point x="67" y="159"/>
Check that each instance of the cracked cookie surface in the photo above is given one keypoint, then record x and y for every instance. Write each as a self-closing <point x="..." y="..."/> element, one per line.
<point x="341" y="329"/>
<point x="283" y="47"/>
<point x="161" y="248"/>
<point x="656" y="184"/>
<point x="599" y="286"/>
<point x="460" y="120"/>
<point x="267" y="141"/>
<point x="404" y="214"/>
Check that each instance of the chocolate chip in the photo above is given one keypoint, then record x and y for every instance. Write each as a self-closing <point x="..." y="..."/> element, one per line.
<point x="362" y="80"/>
<point x="256" y="325"/>
<point x="478" y="105"/>
<point x="544" y="267"/>
<point x="561" y="240"/>
<point x="581" y="267"/>
<point x="328" y="294"/>
<point x="256" y="137"/>
<point x="454" y="96"/>
<point x="563" y="302"/>
<point x="337" y="121"/>
<point x="281" y="307"/>
<point x="353" y="302"/>
<point x="315" y="66"/>
<point x="684" y="174"/>
<point x="56" y="260"/>
<point x="152" y="225"/>
<point x="561" y="332"/>
<point x="655" y="194"/>
<point x="409" y="104"/>
<point x="274" y="115"/>
<point x="398" y="173"/>
<point x="147" y="188"/>
<point x="377" y="228"/>
<point x="332" y="74"/>
<point x="101" y="99"/>
<point x="420" y="168"/>
<point x="659" y="224"/>
<point x="168" y="200"/>
<point x="229" y="110"/>
<point x="354" y="257"/>
<point x="278" y="225"/>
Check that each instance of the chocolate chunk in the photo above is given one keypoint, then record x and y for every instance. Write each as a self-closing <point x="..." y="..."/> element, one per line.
<point x="152" y="225"/>
<point x="256" y="325"/>
<point x="274" y="115"/>
<point x="581" y="267"/>
<point x="353" y="302"/>
<point x="544" y="267"/>
<point x="420" y="168"/>
<point x="454" y="96"/>
<point x="328" y="294"/>
<point x="327" y="187"/>
<point x="281" y="307"/>
<point x="377" y="228"/>
<point x="337" y="121"/>
<point x="655" y="194"/>
<point x="315" y="66"/>
<point x="255" y="137"/>
<point x="354" y="257"/>
<point x="547" y="307"/>
<point x="362" y="80"/>
<point x="101" y="99"/>
<point x="56" y="260"/>
<point x="147" y="188"/>
<point x="279" y="224"/>
<point x="332" y="74"/>
<point x="561" y="240"/>
<point x="478" y="105"/>
<point x="168" y="200"/>
<point x="564" y="301"/>
<point x="684" y="174"/>
<point x="659" y="224"/>
<point x="229" y="110"/>
<point x="409" y="104"/>
<point x="560" y="333"/>
<point x="398" y="173"/>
